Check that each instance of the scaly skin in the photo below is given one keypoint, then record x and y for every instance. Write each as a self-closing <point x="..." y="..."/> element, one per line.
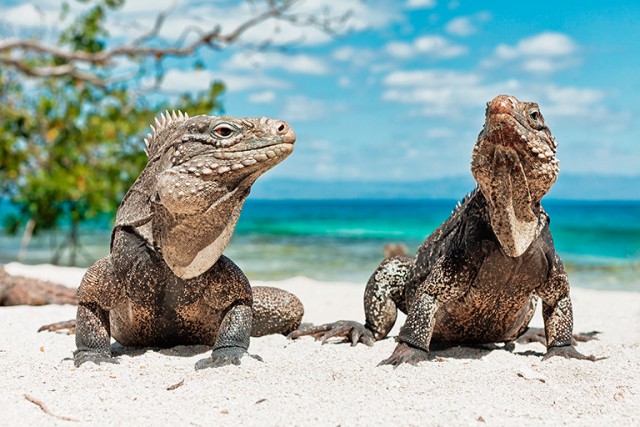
<point x="477" y="277"/>
<point x="166" y="282"/>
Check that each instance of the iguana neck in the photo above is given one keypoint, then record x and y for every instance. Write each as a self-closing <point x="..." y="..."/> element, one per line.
<point x="514" y="165"/>
<point x="191" y="244"/>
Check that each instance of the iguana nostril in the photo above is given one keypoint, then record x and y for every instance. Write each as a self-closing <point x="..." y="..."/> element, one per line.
<point x="281" y="127"/>
<point x="284" y="131"/>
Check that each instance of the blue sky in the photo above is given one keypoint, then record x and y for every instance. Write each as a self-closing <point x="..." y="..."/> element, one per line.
<point x="401" y="96"/>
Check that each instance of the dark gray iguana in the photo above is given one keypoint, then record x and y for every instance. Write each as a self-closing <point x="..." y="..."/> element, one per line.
<point x="477" y="277"/>
<point x="166" y="282"/>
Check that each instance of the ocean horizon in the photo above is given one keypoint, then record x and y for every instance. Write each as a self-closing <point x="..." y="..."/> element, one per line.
<point x="343" y="240"/>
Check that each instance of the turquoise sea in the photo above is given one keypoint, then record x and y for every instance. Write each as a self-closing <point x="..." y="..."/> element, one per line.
<point x="342" y="240"/>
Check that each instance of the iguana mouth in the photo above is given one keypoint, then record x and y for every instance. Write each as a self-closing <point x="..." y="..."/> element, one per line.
<point x="216" y="163"/>
<point x="261" y="148"/>
<point x="509" y="131"/>
<point x="289" y="146"/>
<point x="505" y="129"/>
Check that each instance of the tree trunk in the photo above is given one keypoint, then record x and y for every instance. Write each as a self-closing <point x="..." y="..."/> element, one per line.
<point x="74" y="242"/>
<point x="26" y="239"/>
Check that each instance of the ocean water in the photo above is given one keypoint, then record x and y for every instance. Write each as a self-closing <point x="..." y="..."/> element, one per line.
<point x="343" y="240"/>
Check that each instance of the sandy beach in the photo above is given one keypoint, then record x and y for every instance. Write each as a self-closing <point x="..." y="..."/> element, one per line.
<point x="305" y="383"/>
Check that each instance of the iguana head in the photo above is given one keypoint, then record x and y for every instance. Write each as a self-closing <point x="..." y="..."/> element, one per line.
<point x="199" y="173"/>
<point x="514" y="164"/>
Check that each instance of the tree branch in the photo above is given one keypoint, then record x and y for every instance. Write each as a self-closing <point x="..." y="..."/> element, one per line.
<point x="213" y="39"/>
<point x="53" y="71"/>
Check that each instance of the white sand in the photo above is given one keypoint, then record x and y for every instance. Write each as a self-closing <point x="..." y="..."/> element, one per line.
<point x="305" y="383"/>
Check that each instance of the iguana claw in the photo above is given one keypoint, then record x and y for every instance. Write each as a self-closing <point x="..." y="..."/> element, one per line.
<point x="568" y="352"/>
<point x="353" y="332"/>
<point x="404" y="353"/>
<point x="97" y="357"/>
<point x="224" y="356"/>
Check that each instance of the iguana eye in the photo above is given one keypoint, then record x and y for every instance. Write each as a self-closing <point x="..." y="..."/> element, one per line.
<point x="536" y="119"/>
<point x="223" y="130"/>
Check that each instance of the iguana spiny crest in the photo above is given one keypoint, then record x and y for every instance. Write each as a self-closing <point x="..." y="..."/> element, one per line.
<point x="188" y="198"/>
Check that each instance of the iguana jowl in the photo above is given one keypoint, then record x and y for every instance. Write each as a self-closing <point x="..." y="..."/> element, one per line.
<point x="166" y="281"/>
<point x="477" y="277"/>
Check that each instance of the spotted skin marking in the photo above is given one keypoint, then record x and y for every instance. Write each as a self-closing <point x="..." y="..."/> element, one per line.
<point x="476" y="279"/>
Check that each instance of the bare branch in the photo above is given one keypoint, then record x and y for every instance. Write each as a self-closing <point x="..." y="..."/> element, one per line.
<point x="53" y="71"/>
<point x="15" y="53"/>
<point x="33" y="46"/>
<point x="157" y="26"/>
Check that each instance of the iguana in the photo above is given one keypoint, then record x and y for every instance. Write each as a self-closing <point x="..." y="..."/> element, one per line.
<point x="477" y="277"/>
<point x="165" y="281"/>
<point x="20" y="290"/>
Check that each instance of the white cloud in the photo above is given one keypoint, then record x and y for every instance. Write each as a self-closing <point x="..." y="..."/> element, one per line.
<point x="442" y="93"/>
<point x="434" y="46"/>
<point x="542" y="45"/>
<point x="431" y="78"/>
<point x="27" y="15"/>
<point x="358" y="14"/>
<point x="358" y="57"/>
<point x="303" y="64"/>
<point x="187" y="80"/>
<point x="539" y="65"/>
<point x="400" y="49"/>
<point x="461" y="26"/>
<point x="466" y="25"/>
<point x="344" y="53"/>
<point x="421" y="4"/>
<point x="266" y="97"/>
<point x="138" y="17"/>
<point x="191" y="80"/>
<point x="234" y="82"/>
<point x="440" y="133"/>
<point x="344" y="82"/>
<point x="302" y="109"/>
<point x="439" y="47"/>
<point x="460" y="96"/>
<point x="145" y="6"/>
<point x="573" y="102"/>
<point x="544" y="53"/>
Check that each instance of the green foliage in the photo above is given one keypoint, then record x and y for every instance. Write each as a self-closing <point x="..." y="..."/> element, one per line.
<point x="69" y="150"/>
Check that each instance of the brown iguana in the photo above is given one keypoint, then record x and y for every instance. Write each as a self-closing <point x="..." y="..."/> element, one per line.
<point x="165" y="281"/>
<point x="20" y="290"/>
<point x="477" y="277"/>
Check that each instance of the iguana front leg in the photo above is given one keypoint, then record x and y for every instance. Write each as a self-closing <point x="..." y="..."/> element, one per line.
<point x="93" y="335"/>
<point x="415" y="335"/>
<point x="233" y="339"/>
<point x="449" y="278"/>
<point x="383" y="296"/>
<point x="557" y="313"/>
<point x="98" y="293"/>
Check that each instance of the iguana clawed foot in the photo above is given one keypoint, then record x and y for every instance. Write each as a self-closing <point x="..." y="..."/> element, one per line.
<point x="69" y="325"/>
<point x="585" y="336"/>
<point x="538" y="335"/>
<point x="405" y="353"/>
<point x="224" y="356"/>
<point x="97" y="357"/>
<point x="568" y="352"/>
<point x="351" y="331"/>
